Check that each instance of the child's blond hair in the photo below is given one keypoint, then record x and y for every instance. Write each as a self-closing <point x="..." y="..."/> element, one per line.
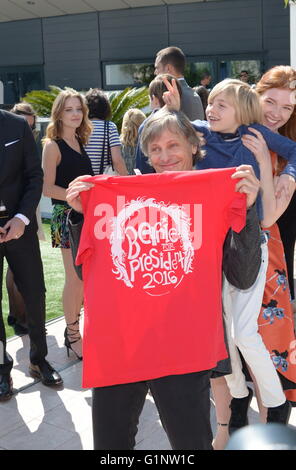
<point x="242" y="97"/>
<point x="132" y="119"/>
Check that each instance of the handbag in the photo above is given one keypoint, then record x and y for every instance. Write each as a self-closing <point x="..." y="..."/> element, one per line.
<point x="75" y="223"/>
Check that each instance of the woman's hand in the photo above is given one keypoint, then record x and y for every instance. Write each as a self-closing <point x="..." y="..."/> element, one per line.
<point x="171" y="97"/>
<point x="73" y="192"/>
<point x="284" y="186"/>
<point x="248" y="184"/>
<point x="257" y="145"/>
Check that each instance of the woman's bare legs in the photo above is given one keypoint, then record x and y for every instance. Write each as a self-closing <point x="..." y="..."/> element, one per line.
<point x="72" y="301"/>
<point x="222" y="399"/>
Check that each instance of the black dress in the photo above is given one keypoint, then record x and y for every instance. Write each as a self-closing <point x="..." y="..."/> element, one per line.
<point x="287" y="226"/>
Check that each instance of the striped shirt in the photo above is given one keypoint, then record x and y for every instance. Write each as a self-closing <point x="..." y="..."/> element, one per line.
<point x="94" y="148"/>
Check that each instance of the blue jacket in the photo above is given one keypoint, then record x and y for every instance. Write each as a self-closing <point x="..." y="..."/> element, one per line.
<point x="222" y="153"/>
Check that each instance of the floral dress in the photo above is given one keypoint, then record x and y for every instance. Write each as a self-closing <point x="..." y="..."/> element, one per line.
<point x="275" y="321"/>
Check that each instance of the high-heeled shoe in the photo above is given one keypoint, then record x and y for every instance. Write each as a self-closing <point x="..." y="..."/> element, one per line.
<point x="72" y="336"/>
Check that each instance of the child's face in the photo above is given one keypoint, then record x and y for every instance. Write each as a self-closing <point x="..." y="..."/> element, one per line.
<point x="154" y="102"/>
<point x="221" y="114"/>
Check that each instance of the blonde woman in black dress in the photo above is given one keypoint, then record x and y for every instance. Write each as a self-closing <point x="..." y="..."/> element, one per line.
<point x="64" y="158"/>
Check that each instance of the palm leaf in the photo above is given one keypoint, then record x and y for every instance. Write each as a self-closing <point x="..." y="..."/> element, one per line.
<point x="128" y="98"/>
<point x="42" y="100"/>
<point x="117" y="98"/>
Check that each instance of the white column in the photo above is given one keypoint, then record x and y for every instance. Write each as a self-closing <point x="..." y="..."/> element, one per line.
<point x="293" y="34"/>
<point x="1" y="93"/>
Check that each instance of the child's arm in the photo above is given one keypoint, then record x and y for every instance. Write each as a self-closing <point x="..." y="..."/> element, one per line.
<point x="172" y="101"/>
<point x="273" y="206"/>
<point x="202" y="128"/>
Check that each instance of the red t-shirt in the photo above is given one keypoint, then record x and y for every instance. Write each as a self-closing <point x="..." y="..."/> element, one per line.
<point x="151" y="248"/>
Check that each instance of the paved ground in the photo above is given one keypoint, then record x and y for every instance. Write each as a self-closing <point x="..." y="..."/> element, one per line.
<point x="40" y="418"/>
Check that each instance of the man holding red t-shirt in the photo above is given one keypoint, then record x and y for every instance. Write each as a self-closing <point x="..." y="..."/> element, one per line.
<point x="152" y="248"/>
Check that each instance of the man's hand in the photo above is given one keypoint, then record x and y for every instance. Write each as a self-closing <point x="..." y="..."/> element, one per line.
<point x="74" y="190"/>
<point x="14" y="229"/>
<point x="2" y="234"/>
<point x="249" y="183"/>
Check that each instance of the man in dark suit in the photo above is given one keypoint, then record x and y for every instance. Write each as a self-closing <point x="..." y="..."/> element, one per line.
<point x="21" y="180"/>
<point x="172" y="60"/>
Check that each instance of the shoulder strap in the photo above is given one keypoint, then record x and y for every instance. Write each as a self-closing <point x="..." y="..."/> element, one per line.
<point x="103" y="151"/>
<point x="109" y="147"/>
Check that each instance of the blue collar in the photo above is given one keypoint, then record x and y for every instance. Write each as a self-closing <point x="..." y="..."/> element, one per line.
<point x="229" y="135"/>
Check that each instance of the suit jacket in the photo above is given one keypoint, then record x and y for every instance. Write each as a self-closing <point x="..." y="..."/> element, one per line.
<point x="21" y="175"/>
<point x="191" y="104"/>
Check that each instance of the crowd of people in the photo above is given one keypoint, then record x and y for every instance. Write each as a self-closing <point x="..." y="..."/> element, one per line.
<point x="186" y="344"/>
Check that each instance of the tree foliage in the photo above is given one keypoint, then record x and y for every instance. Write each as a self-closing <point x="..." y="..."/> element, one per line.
<point x="121" y="101"/>
<point x="42" y="100"/>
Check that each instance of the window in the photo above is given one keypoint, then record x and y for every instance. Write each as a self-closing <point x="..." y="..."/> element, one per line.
<point x="224" y="66"/>
<point x="233" y="68"/>
<point x="123" y="75"/>
<point x="17" y="81"/>
<point x="196" y="70"/>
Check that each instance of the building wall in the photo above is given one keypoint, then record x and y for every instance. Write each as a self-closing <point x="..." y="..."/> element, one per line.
<point x="216" y="27"/>
<point x="276" y="33"/>
<point x="203" y="28"/>
<point x="72" y="51"/>
<point x="73" y="47"/>
<point x="21" y="43"/>
<point x="133" y="34"/>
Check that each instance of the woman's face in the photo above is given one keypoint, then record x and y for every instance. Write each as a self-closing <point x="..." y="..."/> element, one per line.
<point x="72" y="114"/>
<point x="171" y="151"/>
<point x="277" y="106"/>
<point x="30" y="120"/>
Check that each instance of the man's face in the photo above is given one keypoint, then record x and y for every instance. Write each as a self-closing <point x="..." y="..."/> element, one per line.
<point x="208" y="80"/>
<point x="171" y="151"/>
<point x="244" y="77"/>
<point x="159" y="67"/>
